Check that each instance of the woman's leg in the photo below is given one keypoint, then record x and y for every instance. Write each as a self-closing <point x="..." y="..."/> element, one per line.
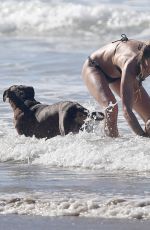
<point x="99" y="89"/>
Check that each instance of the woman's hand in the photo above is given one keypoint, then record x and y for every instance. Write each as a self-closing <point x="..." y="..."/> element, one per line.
<point x="147" y="128"/>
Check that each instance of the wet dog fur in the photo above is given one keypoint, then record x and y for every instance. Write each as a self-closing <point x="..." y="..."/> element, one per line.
<point x="31" y="118"/>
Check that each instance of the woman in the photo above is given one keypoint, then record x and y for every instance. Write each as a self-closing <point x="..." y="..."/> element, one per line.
<point x="120" y="67"/>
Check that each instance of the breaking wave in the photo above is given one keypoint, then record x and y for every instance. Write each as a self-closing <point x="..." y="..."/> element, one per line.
<point x="40" y="18"/>
<point x="85" y="151"/>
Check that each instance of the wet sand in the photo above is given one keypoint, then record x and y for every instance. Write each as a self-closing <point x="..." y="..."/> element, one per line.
<point x="14" y="222"/>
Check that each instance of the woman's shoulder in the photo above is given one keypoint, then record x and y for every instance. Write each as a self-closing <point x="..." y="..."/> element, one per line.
<point x="131" y="47"/>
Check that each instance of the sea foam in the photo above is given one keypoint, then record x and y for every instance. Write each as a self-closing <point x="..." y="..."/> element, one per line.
<point x="35" y="17"/>
<point x="85" y="151"/>
<point x="87" y="206"/>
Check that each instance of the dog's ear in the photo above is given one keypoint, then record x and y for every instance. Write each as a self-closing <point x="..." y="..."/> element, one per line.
<point x="30" y="92"/>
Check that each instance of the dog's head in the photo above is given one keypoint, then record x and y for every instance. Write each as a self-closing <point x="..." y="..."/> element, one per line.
<point x="19" y="91"/>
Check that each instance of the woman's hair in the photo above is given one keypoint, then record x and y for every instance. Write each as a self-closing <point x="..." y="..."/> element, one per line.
<point x="144" y="52"/>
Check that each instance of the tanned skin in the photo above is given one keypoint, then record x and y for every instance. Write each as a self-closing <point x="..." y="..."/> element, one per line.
<point x="119" y="60"/>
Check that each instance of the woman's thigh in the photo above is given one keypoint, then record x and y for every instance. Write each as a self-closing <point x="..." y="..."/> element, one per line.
<point x="98" y="87"/>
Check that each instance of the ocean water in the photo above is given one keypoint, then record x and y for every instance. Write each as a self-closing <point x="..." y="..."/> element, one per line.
<point x="44" y="44"/>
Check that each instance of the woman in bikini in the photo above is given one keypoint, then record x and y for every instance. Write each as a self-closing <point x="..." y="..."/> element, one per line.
<point x="120" y="67"/>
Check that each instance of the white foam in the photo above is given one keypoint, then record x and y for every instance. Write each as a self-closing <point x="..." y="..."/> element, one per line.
<point x="84" y="150"/>
<point x="87" y="206"/>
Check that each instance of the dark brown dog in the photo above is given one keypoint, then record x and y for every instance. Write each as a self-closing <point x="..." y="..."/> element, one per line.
<point x="45" y="121"/>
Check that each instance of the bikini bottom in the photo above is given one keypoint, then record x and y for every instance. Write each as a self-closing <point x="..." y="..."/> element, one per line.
<point x="96" y="65"/>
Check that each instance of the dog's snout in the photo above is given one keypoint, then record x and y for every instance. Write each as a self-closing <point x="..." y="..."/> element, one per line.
<point x="8" y="93"/>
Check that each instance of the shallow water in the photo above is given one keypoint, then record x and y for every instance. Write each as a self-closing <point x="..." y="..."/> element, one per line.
<point x="48" y="191"/>
<point x="86" y="175"/>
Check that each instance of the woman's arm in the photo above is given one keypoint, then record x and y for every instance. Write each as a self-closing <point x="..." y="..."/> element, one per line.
<point x="127" y="92"/>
